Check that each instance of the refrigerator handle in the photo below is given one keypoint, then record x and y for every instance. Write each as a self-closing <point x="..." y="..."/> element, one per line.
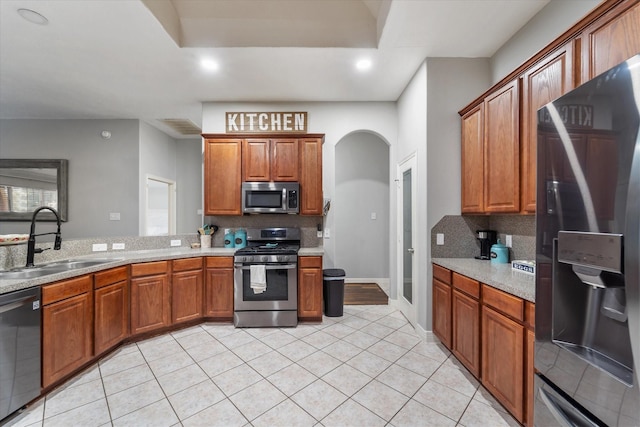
<point x="559" y="411"/>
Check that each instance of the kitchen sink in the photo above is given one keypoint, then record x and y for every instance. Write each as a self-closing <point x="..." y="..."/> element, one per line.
<point x="53" y="268"/>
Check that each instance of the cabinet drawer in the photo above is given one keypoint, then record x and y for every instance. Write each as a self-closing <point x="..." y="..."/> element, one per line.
<point x="468" y="286"/>
<point x="66" y="289"/>
<point x="187" y="264"/>
<point x="442" y="274"/>
<point x="109" y="277"/>
<point x="219" y="262"/>
<point x="503" y="302"/>
<point x="310" y="262"/>
<point x="149" y="268"/>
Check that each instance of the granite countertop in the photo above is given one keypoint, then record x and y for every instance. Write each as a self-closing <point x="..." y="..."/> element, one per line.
<point x="500" y="276"/>
<point x="129" y="257"/>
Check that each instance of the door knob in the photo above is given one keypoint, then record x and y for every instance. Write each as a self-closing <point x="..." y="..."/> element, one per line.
<point x="411" y="250"/>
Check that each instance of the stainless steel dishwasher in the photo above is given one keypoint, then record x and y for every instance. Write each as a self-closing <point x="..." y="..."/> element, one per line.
<point x="19" y="349"/>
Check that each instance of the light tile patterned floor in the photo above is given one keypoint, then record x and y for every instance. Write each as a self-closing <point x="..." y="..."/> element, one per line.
<point x="366" y="368"/>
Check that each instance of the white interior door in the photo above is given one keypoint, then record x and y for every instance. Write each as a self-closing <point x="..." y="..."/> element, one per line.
<point x="406" y="289"/>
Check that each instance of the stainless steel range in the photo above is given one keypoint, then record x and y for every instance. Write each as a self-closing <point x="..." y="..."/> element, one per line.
<point x="266" y="278"/>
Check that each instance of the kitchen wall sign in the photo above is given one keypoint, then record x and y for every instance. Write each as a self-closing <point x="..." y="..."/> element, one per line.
<point x="572" y="115"/>
<point x="265" y="122"/>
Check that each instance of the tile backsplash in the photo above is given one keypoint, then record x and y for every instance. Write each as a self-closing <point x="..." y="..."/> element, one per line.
<point x="460" y="235"/>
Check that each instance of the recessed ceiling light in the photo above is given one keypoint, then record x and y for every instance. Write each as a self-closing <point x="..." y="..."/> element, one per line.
<point x="209" y="64"/>
<point x="33" y="16"/>
<point x="363" y="64"/>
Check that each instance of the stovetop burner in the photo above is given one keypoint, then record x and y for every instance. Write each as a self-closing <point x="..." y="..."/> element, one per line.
<point x="270" y="248"/>
<point x="272" y="244"/>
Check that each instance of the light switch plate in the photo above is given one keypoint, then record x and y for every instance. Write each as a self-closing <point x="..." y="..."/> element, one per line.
<point x="509" y="240"/>
<point x="176" y="242"/>
<point x="440" y="239"/>
<point x="99" y="247"/>
<point x="327" y="233"/>
<point x="117" y="246"/>
<point x="114" y="216"/>
<point x="374" y="215"/>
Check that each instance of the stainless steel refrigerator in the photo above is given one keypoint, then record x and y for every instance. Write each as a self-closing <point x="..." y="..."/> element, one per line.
<point x="587" y="349"/>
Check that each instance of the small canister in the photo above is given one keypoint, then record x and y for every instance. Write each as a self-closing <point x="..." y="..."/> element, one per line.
<point x="229" y="238"/>
<point x="499" y="253"/>
<point x="241" y="238"/>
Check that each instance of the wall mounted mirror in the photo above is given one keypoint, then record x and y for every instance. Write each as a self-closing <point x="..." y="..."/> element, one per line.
<point x="27" y="184"/>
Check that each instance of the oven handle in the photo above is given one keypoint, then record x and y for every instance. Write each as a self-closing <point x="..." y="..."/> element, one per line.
<point x="268" y="267"/>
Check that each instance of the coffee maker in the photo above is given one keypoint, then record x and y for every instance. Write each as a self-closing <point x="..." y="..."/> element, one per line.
<point x="487" y="238"/>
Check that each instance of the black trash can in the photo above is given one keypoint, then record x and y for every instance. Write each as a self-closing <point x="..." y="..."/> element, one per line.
<point x="333" y="291"/>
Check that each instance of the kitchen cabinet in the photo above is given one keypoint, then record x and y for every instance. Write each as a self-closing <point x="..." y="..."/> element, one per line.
<point x="111" y="308"/>
<point x="222" y="176"/>
<point x="270" y="159"/>
<point x="550" y="78"/>
<point x="311" y="199"/>
<point x="503" y="340"/>
<point x="67" y="327"/>
<point x="465" y="316"/>
<point x="186" y="290"/>
<point x="611" y="39"/>
<point x="472" y="155"/>
<point x="310" y="288"/>
<point x="150" y="296"/>
<point x="218" y="294"/>
<point x="501" y="150"/>
<point x="530" y="322"/>
<point x="442" y="294"/>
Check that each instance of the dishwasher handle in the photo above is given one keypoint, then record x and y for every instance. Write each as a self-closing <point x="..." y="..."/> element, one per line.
<point x="17" y="303"/>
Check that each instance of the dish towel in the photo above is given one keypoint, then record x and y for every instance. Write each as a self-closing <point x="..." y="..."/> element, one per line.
<point x="258" y="278"/>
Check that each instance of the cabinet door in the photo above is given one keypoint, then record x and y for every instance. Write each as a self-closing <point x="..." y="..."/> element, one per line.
<point x="284" y="160"/>
<point x="473" y="161"/>
<point x="501" y="150"/>
<point x="613" y="38"/>
<point x="311" y="202"/>
<point x="186" y="296"/>
<point x="529" y="372"/>
<point x="219" y="289"/>
<point x="442" y="312"/>
<point x="111" y="315"/>
<point x="549" y="79"/>
<point x="222" y="177"/>
<point x="310" y="288"/>
<point x="256" y="160"/>
<point x="503" y="360"/>
<point x="66" y="337"/>
<point x="466" y="331"/>
<point x="150" y="305"/>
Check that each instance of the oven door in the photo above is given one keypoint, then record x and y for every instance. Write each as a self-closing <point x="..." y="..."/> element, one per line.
<point x="281" y="292"/>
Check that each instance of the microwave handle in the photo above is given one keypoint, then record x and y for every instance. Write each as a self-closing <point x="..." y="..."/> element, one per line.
<point x="269" y="267"/>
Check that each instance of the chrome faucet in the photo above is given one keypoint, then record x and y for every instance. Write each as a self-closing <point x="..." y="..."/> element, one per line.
<point x="31" y="244"/>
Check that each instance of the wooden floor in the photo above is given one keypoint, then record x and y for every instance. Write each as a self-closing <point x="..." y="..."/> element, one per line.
<point x="364" y="294"/>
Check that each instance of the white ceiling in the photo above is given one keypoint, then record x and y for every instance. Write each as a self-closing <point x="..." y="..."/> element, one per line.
<point x="132" y="59"/>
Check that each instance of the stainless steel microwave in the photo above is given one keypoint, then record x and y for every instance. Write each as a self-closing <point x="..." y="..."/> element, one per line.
<point x="270" y="197"/>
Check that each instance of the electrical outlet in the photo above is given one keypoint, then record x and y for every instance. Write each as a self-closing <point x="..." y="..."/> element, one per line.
<point x="176" y="242"/>
<point x="114" y="216"/>
<point x="319" y="234"/>
<point x="117" y="246"/>
<point x="374" y="215"/>
<point x="99" y="247"/>
<point x="440" y="239"/>
<point x="327" y="233"/>
<point x="509" y="240"/>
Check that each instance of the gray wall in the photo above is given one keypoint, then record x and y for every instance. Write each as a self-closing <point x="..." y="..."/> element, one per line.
<point x="362" y="188"/>
<point x="105" y="174"/>
<point x="553" y="20"/>
<point x="101" y="171"/>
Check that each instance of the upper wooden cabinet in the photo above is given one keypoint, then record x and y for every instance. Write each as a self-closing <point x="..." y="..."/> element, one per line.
<point x="311" y="199"/>
<point x="270" y="160"/>
<point x="222" y="176"/>
<point x="546" y="81"/>
<point x="473" y="161"/>
<point x="229" y="162"/>
<point x="613" y="38"/>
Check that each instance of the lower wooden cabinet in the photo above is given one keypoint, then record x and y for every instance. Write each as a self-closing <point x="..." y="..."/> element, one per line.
<point x="67" y="327"/>
<point x="218" y="285"/>
<point x="111" y="308"/>
<point x="465" y="343"/>
<point x="442" y="312"/>
<point x="310" y="288"/>
<point x="150" y="297"/>
<point x="186" y="290"/>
